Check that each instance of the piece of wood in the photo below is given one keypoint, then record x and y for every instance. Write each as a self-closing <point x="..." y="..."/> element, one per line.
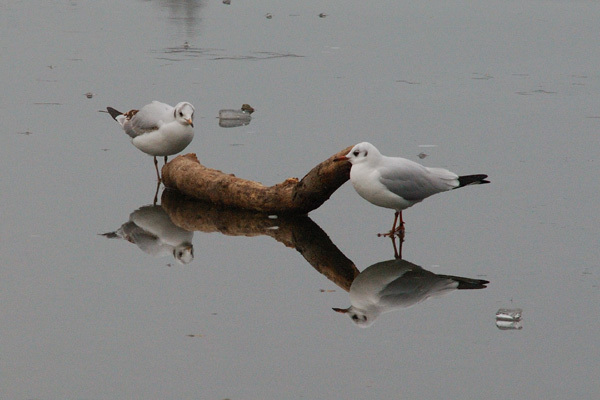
<point x="295" y="231"/>
<point x="292" y="196"/>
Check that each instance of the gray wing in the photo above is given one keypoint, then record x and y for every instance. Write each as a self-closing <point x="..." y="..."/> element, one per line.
<point x="415" y="286"/>
<point x="146" y="241"/>
<point x="149" y="118"/>
<point x="414" y="182"/>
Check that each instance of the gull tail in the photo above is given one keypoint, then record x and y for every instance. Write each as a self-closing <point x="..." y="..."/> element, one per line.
<point x="113" y="113"/>
<point x="110" y="235"/>
<point x="471" y="180"/>
<point x="467" y="283"/>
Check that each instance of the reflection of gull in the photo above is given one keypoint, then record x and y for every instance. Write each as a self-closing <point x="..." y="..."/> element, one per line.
<point x="398" y="183"/>
<point x="184" y="14"/>
<point x="390" y="285"/>
<point x="151" y="229"/>
<point x="157" y="128"/>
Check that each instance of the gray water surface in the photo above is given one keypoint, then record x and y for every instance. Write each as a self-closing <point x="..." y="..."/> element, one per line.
<point x="510" y="89"/>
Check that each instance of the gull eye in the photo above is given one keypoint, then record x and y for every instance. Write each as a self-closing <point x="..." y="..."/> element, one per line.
<point x="180" y="114"/>
<point x="356" y="153"/>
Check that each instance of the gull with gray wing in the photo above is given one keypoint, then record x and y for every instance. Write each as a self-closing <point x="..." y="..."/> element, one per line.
<point x="398" y="183"/>
<point x="158" y="129"/>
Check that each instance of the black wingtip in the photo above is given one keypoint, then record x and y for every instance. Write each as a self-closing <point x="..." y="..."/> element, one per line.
<point x="467" y="283"/>
<point x="472" y="180"/>
<point x="470" y="284"/>
<point x="113" y="113"/>
<point x="110" y="235"/>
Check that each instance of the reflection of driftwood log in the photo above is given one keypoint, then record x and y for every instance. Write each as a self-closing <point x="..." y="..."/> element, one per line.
<point x="298" y="232"/>
<point x="293" y="196"/>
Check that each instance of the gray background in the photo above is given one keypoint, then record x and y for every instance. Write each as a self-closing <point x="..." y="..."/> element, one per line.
<point x="507" y="88"/>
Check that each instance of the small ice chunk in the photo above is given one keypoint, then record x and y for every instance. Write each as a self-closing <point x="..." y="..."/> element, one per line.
<point x="242" y="113"/>
<point x="508" y="325"/>
<point x="509" y="318"/>
<point x="508" y="314"/>
<point x="233" y="123"/>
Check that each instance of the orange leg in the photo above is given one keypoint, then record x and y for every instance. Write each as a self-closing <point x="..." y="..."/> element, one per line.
<point x="398" y="248"/>
<point x="397" y="230"/>
<point x="156" y="167"/>
<point x="156" y="193"/>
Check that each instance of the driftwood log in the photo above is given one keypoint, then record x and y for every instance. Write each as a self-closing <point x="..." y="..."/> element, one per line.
<point x="295" y="231"/>
<point x="292" y="196"/>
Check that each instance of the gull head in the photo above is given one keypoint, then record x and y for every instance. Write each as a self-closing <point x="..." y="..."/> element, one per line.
<point x="184" y="113"/>
<point x="362" y="152"/>
<point x="359" y="317"/>
<point x="184" y="253"/>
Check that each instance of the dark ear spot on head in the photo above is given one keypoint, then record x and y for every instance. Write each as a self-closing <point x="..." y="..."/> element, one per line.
<point x="366" y="152"/>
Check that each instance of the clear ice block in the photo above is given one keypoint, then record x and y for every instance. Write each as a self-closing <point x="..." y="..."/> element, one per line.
<point x="507" y="318"/>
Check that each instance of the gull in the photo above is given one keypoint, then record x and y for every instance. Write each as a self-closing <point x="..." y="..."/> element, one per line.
<point x="158" y="129"/>
<point x="398" y="183"/>
<point x="391" y="285"/>
<point x="151" y="229"/>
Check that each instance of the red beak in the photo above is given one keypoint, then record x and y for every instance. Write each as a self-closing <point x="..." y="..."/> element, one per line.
<point x="341" y="310"/>
<point x="342" y="158"/>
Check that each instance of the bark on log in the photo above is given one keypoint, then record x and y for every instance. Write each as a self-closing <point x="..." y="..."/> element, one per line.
<point x="292" y="196"/>
<point x="298" y="232"/>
